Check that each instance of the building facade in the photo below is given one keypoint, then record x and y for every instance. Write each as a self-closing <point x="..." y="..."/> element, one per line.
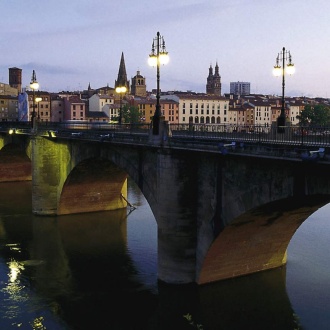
<point x="57" y="108"/>
<point x="8" y="108"/>
<point x="74" y="108"/>
<point x="42" y="105"/>
<point x="97" y="102"/>
<point x="201" y="108"/>
<point x="240" y="88"/>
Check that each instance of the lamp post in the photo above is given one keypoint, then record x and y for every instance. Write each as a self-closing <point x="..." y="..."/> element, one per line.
<point x="284" y="56"/>
<point x="38" y="99"/>
<point x="158" y="56"/>
<point x="120" y="90"/>
<point x="34" y="86"/>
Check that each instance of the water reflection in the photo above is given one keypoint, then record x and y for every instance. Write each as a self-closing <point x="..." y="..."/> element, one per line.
<point x="257" y="301"/>
<point x="99" y="271"/>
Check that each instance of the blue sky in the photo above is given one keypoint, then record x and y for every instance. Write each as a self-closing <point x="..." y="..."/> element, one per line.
<point x="76" y="42"/>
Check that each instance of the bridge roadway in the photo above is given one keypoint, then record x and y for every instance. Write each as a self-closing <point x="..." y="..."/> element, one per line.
<point x="226" y="201"/>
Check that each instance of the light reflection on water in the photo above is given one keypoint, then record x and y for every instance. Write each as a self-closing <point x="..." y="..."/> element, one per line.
<point x="99" y="271"/>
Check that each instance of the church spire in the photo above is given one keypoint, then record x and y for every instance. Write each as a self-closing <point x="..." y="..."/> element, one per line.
<point x="122" y="75"/>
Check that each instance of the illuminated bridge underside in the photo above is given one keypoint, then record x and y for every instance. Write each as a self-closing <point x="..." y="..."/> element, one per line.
<point x="94" y="185"/>
<point x="15" y="165"/>
<point x="257" y="240"/>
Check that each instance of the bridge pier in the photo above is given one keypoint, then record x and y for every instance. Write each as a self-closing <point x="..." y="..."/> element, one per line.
<point x="69" y="179"/>
<point x="183" y="210"/>
<point x="49" y="159"/>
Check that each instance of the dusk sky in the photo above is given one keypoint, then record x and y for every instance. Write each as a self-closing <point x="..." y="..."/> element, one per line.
<point x="73" y="43"/>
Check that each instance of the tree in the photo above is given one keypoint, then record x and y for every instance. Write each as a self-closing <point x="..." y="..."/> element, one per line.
<point x="131" y="114"/>
<point x="318" y="115"/>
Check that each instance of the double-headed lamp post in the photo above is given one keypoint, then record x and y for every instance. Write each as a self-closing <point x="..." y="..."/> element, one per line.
<point x="34" y="86"/>
<point x="121" y="90"/>
<point x="158" y="56"/>
<point x="285" y="57"/>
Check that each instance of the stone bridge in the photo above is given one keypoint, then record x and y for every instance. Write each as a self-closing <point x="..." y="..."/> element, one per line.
<point x="219" y="214"/>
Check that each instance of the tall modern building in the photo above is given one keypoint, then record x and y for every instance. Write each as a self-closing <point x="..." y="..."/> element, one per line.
<point x="213" y="85"/>
<point x="122" y="75"/>
<point x="240" y="88"/>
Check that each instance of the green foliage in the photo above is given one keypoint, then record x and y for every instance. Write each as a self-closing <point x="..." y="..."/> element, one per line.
<point x="131" y="114"/>
<point x="318" y="115"/>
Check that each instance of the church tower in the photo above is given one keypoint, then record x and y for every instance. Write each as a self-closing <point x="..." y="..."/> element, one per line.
<point x="138" y="85"/>
<point x="213" y="85"/>
<point x="122" y="75"/>
<point x="209" y="83"/>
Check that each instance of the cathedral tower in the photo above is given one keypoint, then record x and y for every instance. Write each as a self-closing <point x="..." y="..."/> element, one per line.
<point x="213" y="85"/>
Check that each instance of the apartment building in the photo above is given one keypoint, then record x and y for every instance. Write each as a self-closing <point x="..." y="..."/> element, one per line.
<point x="42" y="105"/>
<point x="8" y="108"/>
<point x="75" y="108"/>
<point x="57" y="108"/>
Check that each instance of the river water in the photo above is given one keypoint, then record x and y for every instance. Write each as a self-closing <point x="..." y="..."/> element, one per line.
<point x="99" y="271"/>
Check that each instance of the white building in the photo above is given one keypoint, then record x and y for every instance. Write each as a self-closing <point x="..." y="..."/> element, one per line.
<point x="201" y="108"/>
<point x="97" y="102"/>
<point x="262" y="113"/>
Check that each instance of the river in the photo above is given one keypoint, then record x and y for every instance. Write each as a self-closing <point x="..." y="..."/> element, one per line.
<point x="99" y="271"/>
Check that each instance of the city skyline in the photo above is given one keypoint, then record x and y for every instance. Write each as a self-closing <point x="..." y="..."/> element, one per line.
<point x="73" y="44"/>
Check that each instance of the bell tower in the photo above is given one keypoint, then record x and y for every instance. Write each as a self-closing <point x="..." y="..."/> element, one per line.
<point x="209" y="83"/>
<point x="138" y="85"/>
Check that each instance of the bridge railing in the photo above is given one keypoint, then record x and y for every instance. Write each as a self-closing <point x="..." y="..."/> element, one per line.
<point x="201" y="133"/>
<point x="97" y="131"/>
<point x="293" y="135"/>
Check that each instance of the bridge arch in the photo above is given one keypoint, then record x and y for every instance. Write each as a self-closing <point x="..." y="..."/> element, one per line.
<point x="258" y="240"/>
<point x="15" y="159"/>
<point x="93" y="185"/>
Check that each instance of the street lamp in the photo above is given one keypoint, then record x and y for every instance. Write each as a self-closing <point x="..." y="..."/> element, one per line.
<point x="121" y="90"/>
<point x="38" y="99"/>
<point x="277" y="71"/>
<point x="158" y="56"/>
<point x="34" y="86"/>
